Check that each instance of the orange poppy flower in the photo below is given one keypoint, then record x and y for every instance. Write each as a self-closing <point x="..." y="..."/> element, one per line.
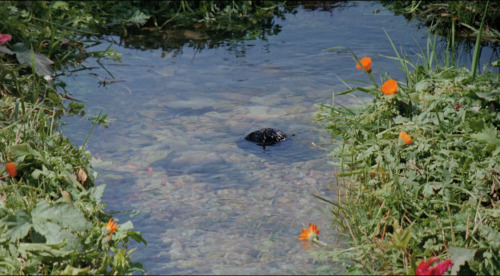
<point x="366" y="62"/>
<point x="389" y="87"/>
<point x="11" y="168"/>
<point x="309" y="235"/>
<point x="405" y="137"/>
<point x="111" y="226"/>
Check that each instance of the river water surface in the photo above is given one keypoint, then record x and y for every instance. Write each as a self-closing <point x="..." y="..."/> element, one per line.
<point x="174" y="160"/>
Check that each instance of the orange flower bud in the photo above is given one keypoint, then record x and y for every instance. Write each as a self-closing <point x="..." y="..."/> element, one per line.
<point x="11" y="168"/>
<point x="389" y="87"/>
<point x="405" y="137"/>
<point x="367" y="64"/>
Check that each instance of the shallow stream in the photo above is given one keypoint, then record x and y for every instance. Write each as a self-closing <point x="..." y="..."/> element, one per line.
<point x="174" y="160"/>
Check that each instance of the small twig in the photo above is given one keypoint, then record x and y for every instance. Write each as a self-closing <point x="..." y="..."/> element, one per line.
<point x="467" y="229"/>
<point x="350" y="231"/>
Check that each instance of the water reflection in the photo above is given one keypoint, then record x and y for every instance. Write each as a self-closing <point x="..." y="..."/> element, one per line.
<point x="206" y="203"/>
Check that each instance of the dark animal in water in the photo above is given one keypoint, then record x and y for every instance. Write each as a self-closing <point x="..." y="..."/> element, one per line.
<point x="266" y="136"/>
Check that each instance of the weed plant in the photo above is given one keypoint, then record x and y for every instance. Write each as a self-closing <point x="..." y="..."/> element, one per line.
<point x="436" y="194"/>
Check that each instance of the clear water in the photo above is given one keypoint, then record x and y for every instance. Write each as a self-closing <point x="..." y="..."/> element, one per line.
<point x="207" y="201"/>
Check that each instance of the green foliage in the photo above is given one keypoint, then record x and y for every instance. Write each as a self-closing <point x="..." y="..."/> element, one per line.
<point x="439" y="195"/>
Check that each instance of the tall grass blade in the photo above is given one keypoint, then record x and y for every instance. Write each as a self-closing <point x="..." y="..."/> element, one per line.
<point x="404" y="66"/>
<point x="477" y="47"/>
<point x="91" y="130"/>
<point x="452" y="40"/>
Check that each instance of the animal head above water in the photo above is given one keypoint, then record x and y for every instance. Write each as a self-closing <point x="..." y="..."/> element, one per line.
<point x="266" y="136"/>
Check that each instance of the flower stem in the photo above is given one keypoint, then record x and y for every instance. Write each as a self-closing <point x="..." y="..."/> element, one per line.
<point x="317" y="241"/>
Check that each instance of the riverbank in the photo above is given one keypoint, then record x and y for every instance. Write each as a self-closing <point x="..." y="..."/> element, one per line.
<point x="53" y="221"/>
<point x="419" y="167"/>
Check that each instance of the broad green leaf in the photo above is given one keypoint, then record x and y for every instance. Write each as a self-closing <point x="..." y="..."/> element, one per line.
<point x="6" y="50"/>
<point x="137" y="237"/>
<point x="70" y="270"/>
<point x="45" y="249"/>
<point x="490" y="96"/>
<point x="97" y="192"/>
<point x="18" y="225"/>
<point x="62" y="5"/>
<point x="138" y="18"/>
<point x="489" y="135"/>
<point x="459" y="256"/>
<point x="127" y="226"/>
<point x="475" y="124"/>
<point x="25" y="55"/>
<point x="52" y="232"/>
<point x="24" y="150"/>
<point x="56" y="221"/>
<point x="62" y="213"/>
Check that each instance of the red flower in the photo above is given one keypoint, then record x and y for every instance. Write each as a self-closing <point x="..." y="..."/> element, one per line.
<point x="4" y="38"/>
<point x="439" y="269"/>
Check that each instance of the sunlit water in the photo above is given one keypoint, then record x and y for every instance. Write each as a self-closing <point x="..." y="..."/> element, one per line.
<point x="207" y="201"/>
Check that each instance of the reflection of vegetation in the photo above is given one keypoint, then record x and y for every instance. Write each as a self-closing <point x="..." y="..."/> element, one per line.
<point x="208" y="24"/>
<point x="201" y="24"/>
<point x="442" y="16"/>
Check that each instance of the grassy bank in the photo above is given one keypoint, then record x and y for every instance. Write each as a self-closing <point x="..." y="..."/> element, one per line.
<point x="419" y="168"/>
<point x="52" y="218"/>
